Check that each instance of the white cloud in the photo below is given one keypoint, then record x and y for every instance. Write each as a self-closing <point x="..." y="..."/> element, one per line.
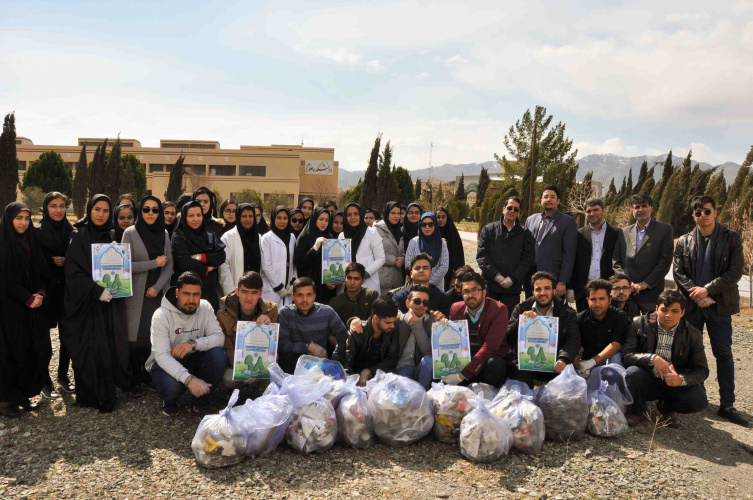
<point x="423" y="75"/>
<point x="340" y="55"/>
<point x="456" y="59"/>
<point x="701" y="153"/>
<point x="374" y="65"/>
<point x="615" y="146"/>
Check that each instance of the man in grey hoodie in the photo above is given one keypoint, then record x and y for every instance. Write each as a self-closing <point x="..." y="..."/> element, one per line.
<point x="186" y="346"/>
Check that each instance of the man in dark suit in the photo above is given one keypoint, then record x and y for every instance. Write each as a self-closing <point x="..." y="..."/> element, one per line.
<point x="556" y="237"/>
<point x="644" y="252"/>
<point x="593" y="261"/>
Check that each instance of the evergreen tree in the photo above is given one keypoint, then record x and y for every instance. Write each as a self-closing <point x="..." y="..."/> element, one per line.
<point x="370" y="194"/>
<point x="630" y="181"/>
<point x="97" y="172"/>
<point x="355" y="194"/>
<point x="483" y="185"/>
<point x="175" y="186"/>
<point x="49" y="172"/>
<point x="127" y="182"/>
<point x="611" y="193"/>
<point x="460" y="191"/>
<point x="717" y="189"/>
<point x="407" y="192"/>
<point x="139" y="176"/>
<point x="642" y="176"/>
<point x="418" y="190"/>
<point x="674" y="201"/>
<point x="429" y="190"/>
<point x="439" y="199"/>
<point x="658" y="192"/>
<point x="384" y="176"/>
<point x="80" y="192"/>
<point x="393" y="191"/>
<point x="623" y="188"/>
<point x="8" y="161"/>
<point x="113" y="171"/>
<point x="735" y="192"/>
<point x="649" y="183"/>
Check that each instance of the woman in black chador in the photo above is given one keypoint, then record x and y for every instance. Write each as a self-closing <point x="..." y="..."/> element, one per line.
<point x="94" y="327"/>
<point x="25" y="348"/>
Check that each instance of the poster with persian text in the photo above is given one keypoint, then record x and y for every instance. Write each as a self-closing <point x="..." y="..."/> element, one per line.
<point x="111" y="268"/>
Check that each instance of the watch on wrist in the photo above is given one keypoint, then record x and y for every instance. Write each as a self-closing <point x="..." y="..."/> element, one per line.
<point x="192" y="342"/>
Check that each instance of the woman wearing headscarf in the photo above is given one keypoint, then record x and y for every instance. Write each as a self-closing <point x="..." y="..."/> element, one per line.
<point x="242" y="250"/>
<point x="53" y="236"/>
<point x="26" y="335"/>
<point x="228" y="213"/>
<point x="371" y="216"/>
<point x="336" y="222"/>
<point x="122" y="219"/>
<point x="151" y="268"/>
<point x="297" y="221"/>
<point x="306" y="205"/>
<point x="94" y="327"/>
<point x="410" y="222"/>
<point x="208" y="203"/>
<point x="170" y="211"/>
<point x="197" y="249"/>
<point x="429" y="240"/>
<point x="308" y="252"/>
<point x="391" y="274"/>
<point x="365" y="244"/>
<point x="277" y="267"/>
<point x="261" y="222"/>
<point x="451" y="236"/>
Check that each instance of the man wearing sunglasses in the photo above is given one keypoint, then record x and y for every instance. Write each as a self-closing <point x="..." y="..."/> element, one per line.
<point x="414" y="338"/>
<point x="708" y="264"/>
<point x="420" y="273"/>
<point x="505" y="255"/>
<point x="487" y="327"/>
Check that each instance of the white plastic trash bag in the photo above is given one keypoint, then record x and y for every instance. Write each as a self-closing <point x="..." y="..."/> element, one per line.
<point x="524" y="418"/>
<point x="617" y="389"/>
<point x="451" y="403"/>
<point x="484" y="437"/>
<point x="563" y="402"/>
<point x="313" y="426"/>
<point x="401" y="410"/>
<point x="605" y="418"/>
<point x="220" y="440"/>
<point x="355" y="426"/>
<point x="488" y="392"/>
<point x="265" y="421"/>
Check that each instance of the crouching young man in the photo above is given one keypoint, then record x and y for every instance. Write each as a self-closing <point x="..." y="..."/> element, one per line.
<point x="375" y="346"/>
<point x="186" y="346"/>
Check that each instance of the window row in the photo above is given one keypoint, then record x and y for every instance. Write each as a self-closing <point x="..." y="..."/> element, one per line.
<point x="226" y="170"/>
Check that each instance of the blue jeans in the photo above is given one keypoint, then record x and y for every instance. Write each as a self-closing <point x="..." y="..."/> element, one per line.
<point x="614" y="360"/>
<point x="423" y="373"/>
<point x="209" y="366"/>
<point x="720" y="335"/>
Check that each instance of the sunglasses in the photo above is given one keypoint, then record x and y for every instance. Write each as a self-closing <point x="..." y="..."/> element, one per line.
<point x="419" y="302"/>
<point x="146" y="210"/>
<point x="512" y="209"/>
<point x="296" y="220"/>
<point x="427" y="224"/>
<point x="698" y="213"/>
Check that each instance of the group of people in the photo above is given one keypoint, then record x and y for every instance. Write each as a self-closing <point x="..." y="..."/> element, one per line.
<point x="197" y="270"/>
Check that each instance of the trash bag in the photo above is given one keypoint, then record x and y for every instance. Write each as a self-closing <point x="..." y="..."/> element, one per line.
<point x="355" y="426"/>
<point x="563" y="402"/>
<point x="220" y="440"/>
<point x="617" y="389"/>
<point x="265" y="421"/>
<point x="488" y="392"/>
<point x="451" y="403"/>
<point x="484" y="436"/>
<point x="401" y="410"/>
<point x="332" y="369"/>
<point x="605" y="417"/>
<point x="524" y="418"/>
<point x="313" y="425"/>
<point x="511" y="385"/>
<point x="338" y="389"/>
<point x="276" y="377"/>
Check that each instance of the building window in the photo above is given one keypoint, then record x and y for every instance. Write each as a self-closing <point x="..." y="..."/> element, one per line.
<point x="255" y="171"/>
<point x="195" y="169"/>
<point x="18" y="141"/>
<point x="221" y="169"/>
<point x="21" y="165"/>
<point x="175" y="146"/>
<point x="156" y="167"/>
<point x="203" y="146"/>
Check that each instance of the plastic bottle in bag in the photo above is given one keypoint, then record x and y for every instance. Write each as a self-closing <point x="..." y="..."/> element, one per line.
<point x="488" y="392"/>
<point x="484" y="436"/>
<point x="220" y="440"/>
<point x="617" y="389"/>
<point x="605" y="418"/>
<point x="265" y="421"/>
<point x="401" y="410"/>
<point x="524" y="418"/>
<point x="563" y="403"/>
<point x="451" y="403"/>
<point x="313" y="425"/>
<point x="354" y="423"/>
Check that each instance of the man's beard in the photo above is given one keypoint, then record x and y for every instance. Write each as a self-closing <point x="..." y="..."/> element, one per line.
<point x="184" y="311"/>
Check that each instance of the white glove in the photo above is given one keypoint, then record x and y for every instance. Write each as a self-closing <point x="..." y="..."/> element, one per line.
<point x="499" y="279"/>
<point x="283" y="292"/>
<point x="507" y="282"/>
<point x="706" y="302"/>
<point x="453" y="379"/>
<point x="570" y="295"/>
<point x="587" y="364"/>
<point x="583" y="373"/>
<point x="106" y="296"/>
<point x="321" y="240"/>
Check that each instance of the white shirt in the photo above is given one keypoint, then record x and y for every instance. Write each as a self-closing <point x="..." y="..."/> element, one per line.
<point x="640" y="234"/>
<point x="597" y="246"/>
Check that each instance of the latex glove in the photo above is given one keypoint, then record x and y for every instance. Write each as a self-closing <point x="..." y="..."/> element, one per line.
<point x="319" y="242"/>
<point x="106" y="296"/>
<point x="706" y="302"/>
<point x="507" y="282"/>
<point x="453" y="379"/>
<point x="499" y="279"/>
<point x="570" y="295"/>
<point x="587" y="364"/>
<point x="283" y="292"/>
<point x="583" y="373"/>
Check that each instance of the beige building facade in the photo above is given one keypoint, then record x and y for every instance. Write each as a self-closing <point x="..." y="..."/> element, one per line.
<point x="295" y="170"/>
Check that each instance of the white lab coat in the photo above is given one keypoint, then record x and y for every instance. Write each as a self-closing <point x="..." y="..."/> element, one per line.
<point x="371" y="256"/>
<point x="273" y="257"/>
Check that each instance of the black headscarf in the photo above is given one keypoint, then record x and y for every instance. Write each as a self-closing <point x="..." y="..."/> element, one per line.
<point x="117" y="231"/>
<point x="171" y="227"/>
<point x="53" y="236"/>
<point x="228" y="225"/>
<point x="19" y="245"/>
<point x="410" y="229"/>
<point x="454" y="246"/>
<point x="98" y="234"/>
<point x="249" y="239"/>
<point x="198" y="240"/>
<point x="311" y="231"/>
<point x="395" y="229"/>
<point x="263" y="227"/>
<point x="182" y="200"/>
<point x="354" y="233"/>
<point x="332" y="216"/>
<point x="310" y="263"/>
<point x="304" y="200"/>
<point x="305" y="221"/>
<point x="212" y="212"/>
<point x="152" y="235"/>
<point x="283" y="234"/>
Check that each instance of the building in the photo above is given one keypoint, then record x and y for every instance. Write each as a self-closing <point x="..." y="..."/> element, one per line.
<point x="471" y="184"/>
<point x="292" y="169"/>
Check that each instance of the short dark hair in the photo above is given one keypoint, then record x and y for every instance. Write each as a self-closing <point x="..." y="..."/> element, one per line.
<point x="619" y="277"/>
<point x="422" y="256"/>
<point x="188" y="278"/>
<point x="52" y="195"/>
<point x="514" y="198"/>
<point x="419" y="288"/>
<point x="330" y="203"/>
<point x="543" y="275"/>
<point x="356" y="267"/>
<point x="552" y="187"/>
<point x="127" y="196"/>
<point x="669" y="297"/>
<point x="303" y="283"/>
<point x="700" y="201"/>
<point x="462" y="270"/>
<point x="593" y="202"/>
<point x="251" y="280"/>
<point x="375" y="212"/>
<point x="598" y="284"/>
<point x="473" y="276"/>
<point x="640" y="199"/>
<point x="383" y="307"/>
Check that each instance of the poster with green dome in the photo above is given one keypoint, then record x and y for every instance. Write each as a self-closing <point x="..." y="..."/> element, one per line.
<point x="537" y="343"/>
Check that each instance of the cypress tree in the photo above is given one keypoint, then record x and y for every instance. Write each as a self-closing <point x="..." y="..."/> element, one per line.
<point x="642" y="176"/>
<point x="429" y="195"/>
<point x="370" y="195"/>
<point x="736" y="188"/>
<point x="658" y="192"/>
<point x="8" y="161"/>
<point x="483" y="185"/>
<point x="623" y="189"/>
<point x="49" y="172"/>
<point x="611" y="193"/>
<point x="460" y="191"/>
<point x="127" y="181"/>
<point x="175" y="186"/>
<point x="418" y="189"/>
<point x="383" y="177"/>
<point x="81" y="184"/>
<point x="406" y="189"/>
<point x="139" y="176"/>
<point x="717" y="189"/>
<point x="649" y="183"/>
<point x="97" y="171"/>
<point x="113" y="172"/>
<point x="630" y="181"/>
<point x="440" y="196"/>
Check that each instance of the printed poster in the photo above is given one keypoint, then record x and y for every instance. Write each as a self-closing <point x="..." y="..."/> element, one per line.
<point x="111" y="268"/>
<point x="450" y="347"/>
<point x="537" y="343"/>
<point x="255" y="349"/>
<point x="335" y="258"/>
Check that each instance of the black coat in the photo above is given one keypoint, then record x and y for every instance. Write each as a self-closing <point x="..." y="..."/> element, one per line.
<point x="359" y="353"/>
<point x="583" y="253"/>
<point x="568" y="343"/>
<point x="509" y="253"/>
<point x="214" y="252"/>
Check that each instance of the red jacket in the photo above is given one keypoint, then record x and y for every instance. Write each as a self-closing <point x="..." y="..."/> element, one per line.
<point x="491" y="335"/>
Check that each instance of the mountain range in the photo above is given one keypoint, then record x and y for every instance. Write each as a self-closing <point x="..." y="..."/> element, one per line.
<point x="604" y="167"/>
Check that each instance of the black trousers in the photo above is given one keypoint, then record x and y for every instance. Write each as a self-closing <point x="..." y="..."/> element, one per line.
<point x="510" y="300"/>
<point x="644" y="387"/>
<point x="493" y="373"/>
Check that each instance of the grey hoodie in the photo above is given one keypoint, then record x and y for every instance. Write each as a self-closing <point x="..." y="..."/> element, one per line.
<point x="171" y="327"/>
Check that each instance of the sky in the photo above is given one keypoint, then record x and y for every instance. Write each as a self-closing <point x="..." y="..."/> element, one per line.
<point x="627" y="78"/>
